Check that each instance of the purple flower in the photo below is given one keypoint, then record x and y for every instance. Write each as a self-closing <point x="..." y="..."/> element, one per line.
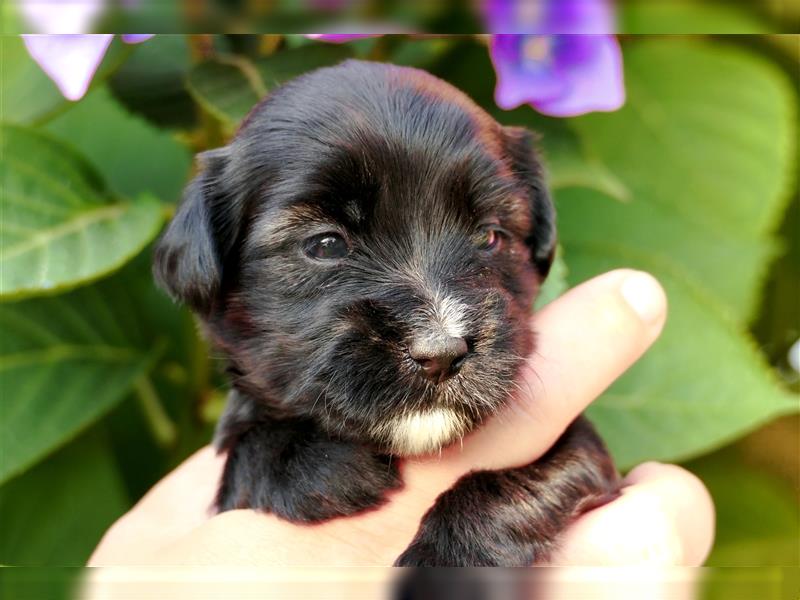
<point x="340" y="38"/>
<point x="548" y="16"/>
<point x="71" y="60"/>
<point x="559" y="56"/>
<point x="559" y="75"/>
<point x="61" y="16"/>
<point x="68" y="55"/>
<point x="135" y="38"/>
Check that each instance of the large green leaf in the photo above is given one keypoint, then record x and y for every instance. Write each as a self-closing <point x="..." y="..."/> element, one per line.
<point x="26" y="91"/>
<point x="65" y="361"/>
<point x="690" y="17"/>
<point x="59" y="225"/>
<point x="55" y="514"/>
<point x="132" y="155"/>
<point x="705" y="142"/>
<point x="225" y="89"/>
<point x="151" y="83"/>
<point x="281" y="66"/>
<point x="228" y="87"/>
<point x="741" y="491"/>
<point x="717" y="257"/>
<point x="701" y="385"/>
<point x="567" y="163"/>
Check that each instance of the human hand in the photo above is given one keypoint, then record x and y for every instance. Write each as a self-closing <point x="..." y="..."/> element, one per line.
<point x="586" y="339"/>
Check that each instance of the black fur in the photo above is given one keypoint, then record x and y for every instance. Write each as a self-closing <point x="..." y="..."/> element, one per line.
<point x="513" y="517"/>
<point x="294" y="468"/>
<point x="411" y="174"/>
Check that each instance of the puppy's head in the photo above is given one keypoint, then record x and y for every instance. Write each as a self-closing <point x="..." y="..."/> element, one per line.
<point x="366" y="251"/>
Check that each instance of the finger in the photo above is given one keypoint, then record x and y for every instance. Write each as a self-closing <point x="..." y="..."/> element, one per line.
<point x="194" y="481"/>
<point x="247" y="537"/>
<point x="665" y="517"/>
<point x="585" y="340"/>
<point x="174" y="506"/>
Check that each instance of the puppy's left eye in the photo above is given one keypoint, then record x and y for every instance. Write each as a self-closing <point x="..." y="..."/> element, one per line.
<point x="489" y="238"/>
<point x="326" y="246"/>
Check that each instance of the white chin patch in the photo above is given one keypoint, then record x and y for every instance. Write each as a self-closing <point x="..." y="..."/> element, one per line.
<point x="422" y="432"/>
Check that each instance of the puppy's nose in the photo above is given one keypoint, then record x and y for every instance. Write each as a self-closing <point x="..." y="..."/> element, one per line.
<point x="439" y="358"/>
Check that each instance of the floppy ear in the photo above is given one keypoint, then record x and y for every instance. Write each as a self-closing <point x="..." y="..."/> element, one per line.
<point x="521" y="147"/>
<point x="190" y="256"/>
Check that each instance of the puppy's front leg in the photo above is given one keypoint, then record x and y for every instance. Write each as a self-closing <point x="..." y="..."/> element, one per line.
<point x="514" y="517"/>
<point x="292" y="469"/>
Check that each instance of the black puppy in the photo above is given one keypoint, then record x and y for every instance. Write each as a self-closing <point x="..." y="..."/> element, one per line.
<point x="366" y="252"/>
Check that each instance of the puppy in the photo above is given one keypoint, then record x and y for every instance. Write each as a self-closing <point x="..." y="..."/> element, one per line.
<point x="366" y="252"/>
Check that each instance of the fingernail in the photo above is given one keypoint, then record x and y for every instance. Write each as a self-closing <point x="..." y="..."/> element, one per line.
<point x="644" y="295"/>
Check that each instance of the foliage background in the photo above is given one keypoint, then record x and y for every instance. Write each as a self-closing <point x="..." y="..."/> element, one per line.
<point x="106" y="385"/>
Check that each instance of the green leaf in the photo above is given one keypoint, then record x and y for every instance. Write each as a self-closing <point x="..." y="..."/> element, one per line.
<point x="567" y="163"/>
<point x="152" y="82"/>
<point x="224" y="90"/>
<point x="60" y="583"/>
<point x="26" y="91"/>
<point x="689" y="17"/>
<point x="133" y="156"/>
<point x="420" y="53"/>
<point x="59" y="226"/>
<point x="717" y="257"/>
<point x="702" y="384"/>
<point x="55" y="514"/>
<point x="740" y="492"/>
<point x="180" y="378"/>
<point x="277" y="68"/>
<point x="709" y="156"/>
<point x="65" y="361"/>
<point x="230" y="86"/>
<point x="556" y="282"/>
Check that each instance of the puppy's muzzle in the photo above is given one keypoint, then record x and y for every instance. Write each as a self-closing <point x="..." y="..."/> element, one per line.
<point x="439" y="357"/>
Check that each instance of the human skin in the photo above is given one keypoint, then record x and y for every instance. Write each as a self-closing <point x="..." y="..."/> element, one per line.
<point x="585" y="340"/>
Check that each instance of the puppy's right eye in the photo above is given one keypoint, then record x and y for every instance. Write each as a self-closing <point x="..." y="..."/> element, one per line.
<point x="326" y="246"/>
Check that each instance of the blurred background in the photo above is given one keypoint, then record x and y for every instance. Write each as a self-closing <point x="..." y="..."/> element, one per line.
<point x="105" y="384"/>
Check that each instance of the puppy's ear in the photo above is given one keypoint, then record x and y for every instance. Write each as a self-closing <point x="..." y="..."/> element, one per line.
<point x="521" y="148"/>
<point x="190" y="256"/>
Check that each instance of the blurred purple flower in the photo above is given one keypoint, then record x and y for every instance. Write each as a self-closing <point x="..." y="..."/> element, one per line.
<point x="559" y="75"/>
<point x="60" y="16"/>
<point x="68" y="55"/>
<point x="560" y="56"/>
<point x="135" y="38"/>
<point x="548" y="16"/>
<point x="340" y="38"/>
<point x="71" y="60"/>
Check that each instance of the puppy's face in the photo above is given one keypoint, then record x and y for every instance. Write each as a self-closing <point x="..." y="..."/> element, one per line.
<point x="366" y="251"/>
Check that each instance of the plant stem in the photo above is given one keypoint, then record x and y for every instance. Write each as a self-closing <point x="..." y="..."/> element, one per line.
<point x="161" y="426"/>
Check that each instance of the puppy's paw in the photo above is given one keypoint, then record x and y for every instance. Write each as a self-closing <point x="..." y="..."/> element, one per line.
<point x="515" y="517"/>
<point x="299" y="475"/>
<point x="426" y="554"/>
<point x="444" y="549"/>
<point x="440" y="544"/>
